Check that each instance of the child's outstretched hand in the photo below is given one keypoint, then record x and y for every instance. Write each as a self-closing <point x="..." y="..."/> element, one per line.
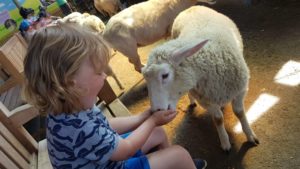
<point x="163" y="117"/>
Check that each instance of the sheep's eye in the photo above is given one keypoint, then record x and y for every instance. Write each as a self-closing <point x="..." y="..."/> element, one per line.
<point x="164" y="76"/>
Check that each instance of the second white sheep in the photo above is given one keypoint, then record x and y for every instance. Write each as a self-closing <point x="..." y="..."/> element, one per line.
<point x="94" y="24"/>
<point x="142" y="24"/>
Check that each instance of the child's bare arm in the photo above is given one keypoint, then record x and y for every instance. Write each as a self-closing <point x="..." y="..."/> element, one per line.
<point x="129" y="146"/>
<point x="125" y="124"/>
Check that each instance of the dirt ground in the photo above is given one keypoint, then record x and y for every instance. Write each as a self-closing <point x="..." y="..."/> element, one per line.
<point x="271" y="33"/>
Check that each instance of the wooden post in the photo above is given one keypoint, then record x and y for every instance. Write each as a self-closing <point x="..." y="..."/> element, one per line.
<point x="107" y="94"/>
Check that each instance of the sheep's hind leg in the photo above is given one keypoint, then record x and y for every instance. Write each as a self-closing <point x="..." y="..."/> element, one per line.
<point x="133" y="57"/>
<point x="217" y="116"/>
<point x="136" y="62"/>
<point x="239" y="111"/>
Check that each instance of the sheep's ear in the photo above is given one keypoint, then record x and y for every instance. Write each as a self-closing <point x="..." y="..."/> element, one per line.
<point x="186" y="51"/>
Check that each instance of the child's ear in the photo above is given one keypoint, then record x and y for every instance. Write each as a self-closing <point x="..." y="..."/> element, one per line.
<point x="76" y="84"/>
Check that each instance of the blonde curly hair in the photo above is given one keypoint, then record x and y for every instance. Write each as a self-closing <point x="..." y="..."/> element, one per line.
<point x="54" y="55"/>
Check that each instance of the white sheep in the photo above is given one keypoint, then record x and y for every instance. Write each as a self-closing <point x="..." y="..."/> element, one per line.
<point x="85" y="19"/>
<point x="142" y="24"/>
<point x="215" y="75"/>
<point x="96" y="25"/>
<point x="108" y="7"/>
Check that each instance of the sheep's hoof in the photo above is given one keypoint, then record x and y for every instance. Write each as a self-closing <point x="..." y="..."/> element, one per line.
<point x="226" y="150"/>
<point x="254" y="140"/>
<point x="226" y="146"/>
<point x="191" y="107"/>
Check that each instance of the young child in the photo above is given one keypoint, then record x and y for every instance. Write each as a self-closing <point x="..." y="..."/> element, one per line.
<point x="63" y="74"/>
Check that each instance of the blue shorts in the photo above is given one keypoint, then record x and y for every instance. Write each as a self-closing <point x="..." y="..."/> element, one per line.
<point x="138" y="161"/>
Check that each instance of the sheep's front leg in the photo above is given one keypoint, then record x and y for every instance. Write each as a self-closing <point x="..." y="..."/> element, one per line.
<point x="192" y="100"/>
<point x="111" y="73"/>
<point x="239" y="111"/>
<point x="133" y="57"/>
<point x="136" y="62"/>
<point x="217" y="116"/>
<point x="128" y="47"/>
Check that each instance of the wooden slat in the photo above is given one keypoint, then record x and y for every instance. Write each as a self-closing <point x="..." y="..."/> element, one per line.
<point x="23" y="114"/>
<point x="118" y="108"/>
<point x="16" y="99"/>
<point x="12" y="153"/>
<point x="14" y="96"/>
<point x="9" y="83"/>
<point x="30" y="143"/>
<point x="15" y="143"/>
<point x="34" y="162"/>
<point x="8" y="97"/>
<point x="5" y="162"/>
<point x="3" y="74"/>
<point x="107" y="94"/>
<point x="11" y="98"/>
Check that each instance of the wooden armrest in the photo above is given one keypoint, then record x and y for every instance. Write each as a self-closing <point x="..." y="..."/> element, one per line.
<point x="19" y="115"/>
<point x="23" y="114"/>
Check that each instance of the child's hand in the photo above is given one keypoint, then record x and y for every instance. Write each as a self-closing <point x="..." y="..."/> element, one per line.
<point x="163" y="117"/>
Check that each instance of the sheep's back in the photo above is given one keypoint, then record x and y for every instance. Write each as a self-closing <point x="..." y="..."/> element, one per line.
<point x="146" y="22"/>
<point x="205" y="23"/>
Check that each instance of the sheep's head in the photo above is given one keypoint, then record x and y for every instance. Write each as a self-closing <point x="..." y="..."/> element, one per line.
<point x="165" y="85"/>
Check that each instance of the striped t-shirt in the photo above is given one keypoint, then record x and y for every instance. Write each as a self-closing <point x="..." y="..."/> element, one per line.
<point x="81" y="140"/>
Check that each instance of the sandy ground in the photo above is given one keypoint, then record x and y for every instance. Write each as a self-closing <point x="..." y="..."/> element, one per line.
<point x="271" y="33"/>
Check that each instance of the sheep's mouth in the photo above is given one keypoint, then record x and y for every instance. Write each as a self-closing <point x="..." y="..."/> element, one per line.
<point x="169" y="108"/>
<point x="211" y="2"/>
